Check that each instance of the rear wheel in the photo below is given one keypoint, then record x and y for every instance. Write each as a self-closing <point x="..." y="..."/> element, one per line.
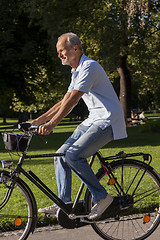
<point x="142" y="217"/>
<point x="18" y="215"/>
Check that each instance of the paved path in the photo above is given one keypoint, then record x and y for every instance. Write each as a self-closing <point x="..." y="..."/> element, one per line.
<point x="83" y="233"/>
<point x="59" y="233"/>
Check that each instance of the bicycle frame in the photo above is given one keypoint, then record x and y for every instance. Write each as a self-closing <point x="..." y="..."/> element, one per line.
<point x="37" y="182"/>
<point x="106" y="167"/>
<point x="124" y="177"/>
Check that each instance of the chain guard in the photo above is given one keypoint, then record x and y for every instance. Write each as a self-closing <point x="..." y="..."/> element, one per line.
<point x="66" y="222"/>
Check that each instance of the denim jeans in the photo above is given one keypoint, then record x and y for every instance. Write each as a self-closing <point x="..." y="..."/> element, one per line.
<point x="84" y="142"/>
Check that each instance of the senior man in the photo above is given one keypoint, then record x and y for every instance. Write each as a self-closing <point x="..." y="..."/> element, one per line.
<point x="104" y="123"/>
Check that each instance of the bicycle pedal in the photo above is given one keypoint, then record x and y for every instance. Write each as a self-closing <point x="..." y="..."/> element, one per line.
<point x="43" y="214"/>
<point x="47" y="215"/>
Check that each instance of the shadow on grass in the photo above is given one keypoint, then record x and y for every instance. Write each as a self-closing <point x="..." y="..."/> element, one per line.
<point x="135" y="139"/>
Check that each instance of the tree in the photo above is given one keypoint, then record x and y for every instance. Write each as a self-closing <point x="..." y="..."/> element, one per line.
<point x="114" y="32"/>
<point x="145" y="73"/>
<point x="29" y="73"/>
<point x="24" y="57"/>
<point x="117" y="33"/>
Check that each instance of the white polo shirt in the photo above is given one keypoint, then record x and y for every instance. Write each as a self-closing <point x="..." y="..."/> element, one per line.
<point x="99" y="96"/>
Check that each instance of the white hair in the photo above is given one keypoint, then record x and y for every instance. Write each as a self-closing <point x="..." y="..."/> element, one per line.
<point x="72" y="40"/>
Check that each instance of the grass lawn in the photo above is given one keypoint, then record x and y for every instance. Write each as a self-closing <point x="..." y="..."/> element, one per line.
<point x="137" y="141"/>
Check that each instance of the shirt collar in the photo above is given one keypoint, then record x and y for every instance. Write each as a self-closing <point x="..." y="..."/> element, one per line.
<point x="80" y="63"/>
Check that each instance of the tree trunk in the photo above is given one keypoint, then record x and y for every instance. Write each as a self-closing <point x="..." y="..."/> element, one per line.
<point x="4" y="120"/>
<point x="125" y="86"/>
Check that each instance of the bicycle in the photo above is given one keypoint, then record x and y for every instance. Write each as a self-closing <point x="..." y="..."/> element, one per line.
<point x="134" y="184"/>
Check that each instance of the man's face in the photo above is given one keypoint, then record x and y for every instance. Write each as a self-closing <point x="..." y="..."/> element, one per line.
<point x="65" y="52"/>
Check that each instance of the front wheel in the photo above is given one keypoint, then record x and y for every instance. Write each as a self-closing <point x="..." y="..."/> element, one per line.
<point x="18" y="213"/>
<point x="139" y="183"/>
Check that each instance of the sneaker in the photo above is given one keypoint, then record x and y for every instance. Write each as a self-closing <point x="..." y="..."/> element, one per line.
<point x="52" y="210"/>
<point x="98" y="209"/>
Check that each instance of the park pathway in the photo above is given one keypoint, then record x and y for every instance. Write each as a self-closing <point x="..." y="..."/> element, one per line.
<point x="59" y="233"/>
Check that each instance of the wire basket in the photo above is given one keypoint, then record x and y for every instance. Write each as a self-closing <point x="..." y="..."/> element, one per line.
<point x="15" y="141"/>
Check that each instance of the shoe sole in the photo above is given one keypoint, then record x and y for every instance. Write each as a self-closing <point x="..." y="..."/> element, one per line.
<point x="105" y="209"/>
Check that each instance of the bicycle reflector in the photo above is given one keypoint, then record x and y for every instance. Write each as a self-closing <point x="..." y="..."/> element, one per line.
<point x="146" y="218"/>
<point x="18" y="221"/>
<point x="111" y="181"/>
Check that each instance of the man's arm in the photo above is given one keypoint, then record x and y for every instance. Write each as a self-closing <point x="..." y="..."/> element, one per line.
<point x="51" y="112"/>
<point x="67" y="104"/>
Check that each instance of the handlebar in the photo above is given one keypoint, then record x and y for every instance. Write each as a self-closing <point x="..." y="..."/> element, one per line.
<point x="27" y="127"/>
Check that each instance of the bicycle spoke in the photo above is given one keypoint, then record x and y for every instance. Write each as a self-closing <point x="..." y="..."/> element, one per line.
<point x="146" y="195"/>
<point x="131" y="223"/>
<point x="16" y="213"/>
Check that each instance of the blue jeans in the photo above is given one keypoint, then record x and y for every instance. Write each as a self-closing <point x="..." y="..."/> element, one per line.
<point x="84" y="142"/>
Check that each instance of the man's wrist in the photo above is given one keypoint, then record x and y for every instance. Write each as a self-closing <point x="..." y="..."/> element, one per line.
<point x="53" y="123"/>
<point x="36" y="122"/>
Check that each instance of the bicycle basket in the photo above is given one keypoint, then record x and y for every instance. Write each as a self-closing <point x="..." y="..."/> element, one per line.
<point x="15" y="141"/>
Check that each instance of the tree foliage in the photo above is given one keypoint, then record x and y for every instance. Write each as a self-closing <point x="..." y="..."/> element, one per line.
<point x="122" y="35"/>
<point x="27" y="70"/>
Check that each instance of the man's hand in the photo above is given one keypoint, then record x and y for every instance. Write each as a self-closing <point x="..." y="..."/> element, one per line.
<point x="33" y="122"/>
<point x="46" y="128"/>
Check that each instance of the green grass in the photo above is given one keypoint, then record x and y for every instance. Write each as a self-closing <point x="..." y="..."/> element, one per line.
<point x="137" y="141"/>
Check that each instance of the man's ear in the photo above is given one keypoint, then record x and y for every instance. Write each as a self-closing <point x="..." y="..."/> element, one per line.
<point x="76" y="48"/>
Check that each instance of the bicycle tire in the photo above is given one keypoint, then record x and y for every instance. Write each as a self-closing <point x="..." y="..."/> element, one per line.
<point x="139" y="221"/>
<point x="18" y="216"/>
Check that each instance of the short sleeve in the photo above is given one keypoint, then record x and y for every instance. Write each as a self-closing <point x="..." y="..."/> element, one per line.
<point x="70" y="88"/>
<point x="84" y="78"/>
